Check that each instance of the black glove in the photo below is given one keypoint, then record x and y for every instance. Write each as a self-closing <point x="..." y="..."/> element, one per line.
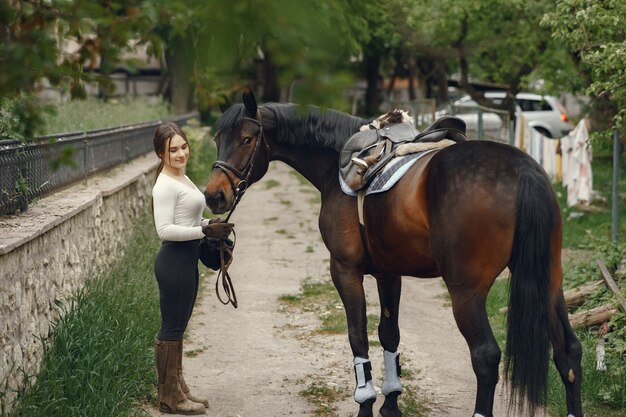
<point x="218" y="229"/>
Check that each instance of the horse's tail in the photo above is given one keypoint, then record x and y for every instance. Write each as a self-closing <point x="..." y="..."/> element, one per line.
<point x="527" y="345"/>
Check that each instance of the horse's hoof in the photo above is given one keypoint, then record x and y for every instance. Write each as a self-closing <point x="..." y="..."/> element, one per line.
<point x="390" y="406"/>
<point x="365" y="408"/>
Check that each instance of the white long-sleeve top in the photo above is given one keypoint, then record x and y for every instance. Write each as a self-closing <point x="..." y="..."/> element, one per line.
<point x="178" y="206"/>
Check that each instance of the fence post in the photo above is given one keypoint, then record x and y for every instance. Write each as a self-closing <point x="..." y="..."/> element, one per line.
<point x="479" y="124"/>
<point x="614" y="216"/>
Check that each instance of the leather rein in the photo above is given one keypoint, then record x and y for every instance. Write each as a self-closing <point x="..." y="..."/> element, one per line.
<point x="238" y="190"/>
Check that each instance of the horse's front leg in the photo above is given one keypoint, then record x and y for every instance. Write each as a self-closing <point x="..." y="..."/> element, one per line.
<point x="389" y="288"/>
<point x="348" y="280"/>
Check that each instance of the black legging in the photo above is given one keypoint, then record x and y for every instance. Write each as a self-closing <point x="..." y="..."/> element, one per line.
<point x="176" y="271"/>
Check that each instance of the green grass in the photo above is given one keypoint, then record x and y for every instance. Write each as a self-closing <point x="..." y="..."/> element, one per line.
<point x="100" y="361"/>
<point x="81" y="115"/>
<point x="271" y="184"/>
<point x="322" y="298"/>
<point x="323" y="398"/>
<point x="595" y="224"/>
<point x="300" y="178"/>
<point x="603" y="393"/>
<point x="410" y="405"/>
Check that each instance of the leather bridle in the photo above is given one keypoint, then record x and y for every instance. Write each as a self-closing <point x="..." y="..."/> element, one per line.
<point x="243" y="175"/>
<point x="238" y="190"/>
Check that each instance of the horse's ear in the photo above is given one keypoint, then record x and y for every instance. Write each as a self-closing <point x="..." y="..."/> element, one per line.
<point x="225" y="103"/>
<point x="249" y="102"/>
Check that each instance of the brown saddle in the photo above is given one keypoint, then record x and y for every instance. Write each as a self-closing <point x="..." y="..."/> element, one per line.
<point x="366" y="152"/>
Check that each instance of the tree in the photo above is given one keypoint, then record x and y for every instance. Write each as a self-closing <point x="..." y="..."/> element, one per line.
<point x="210" y="48"/>
<point x="595" y="35"/>
<point x="307" y="43"/>
<point x="497" y="41"/>
<point x="35" y="48"/>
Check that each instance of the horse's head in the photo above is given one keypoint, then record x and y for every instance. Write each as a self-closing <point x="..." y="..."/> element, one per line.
<point x="242" y="154"/>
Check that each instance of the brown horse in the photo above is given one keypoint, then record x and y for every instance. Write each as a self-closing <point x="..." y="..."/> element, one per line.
<point x="465" y="213"/>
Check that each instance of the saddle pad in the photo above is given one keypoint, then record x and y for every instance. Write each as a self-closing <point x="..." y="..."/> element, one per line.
<point x="389" y="176"/>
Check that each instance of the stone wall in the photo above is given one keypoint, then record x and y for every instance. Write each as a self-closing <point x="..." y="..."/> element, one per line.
<point x="48" y="253"/>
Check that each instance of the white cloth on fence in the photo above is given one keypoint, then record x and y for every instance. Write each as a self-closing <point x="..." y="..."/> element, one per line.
<point x="543" y="150"/>
<point x="522" y="133"/>
<point x="576" y="157"/>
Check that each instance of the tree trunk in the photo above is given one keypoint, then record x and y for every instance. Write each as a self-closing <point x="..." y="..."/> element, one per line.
<point x="179" y="68"/>
<point x="411" y="87"/>
<point x="271" y="88"/>
<point x="602" y="112"/>
<point x="372" y="93"/>
<point x="442" y="81"/>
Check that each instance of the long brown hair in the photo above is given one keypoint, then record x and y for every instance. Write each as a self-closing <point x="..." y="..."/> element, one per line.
<point x="163" y="133"/>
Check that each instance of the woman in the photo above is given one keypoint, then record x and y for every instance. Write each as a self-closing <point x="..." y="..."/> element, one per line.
<point x="178" y="207"/>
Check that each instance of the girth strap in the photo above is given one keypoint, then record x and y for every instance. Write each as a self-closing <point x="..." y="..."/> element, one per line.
<point x="360" y="200"/>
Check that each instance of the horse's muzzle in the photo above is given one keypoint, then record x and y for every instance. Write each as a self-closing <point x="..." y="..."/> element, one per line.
<point x="217" y="202"/>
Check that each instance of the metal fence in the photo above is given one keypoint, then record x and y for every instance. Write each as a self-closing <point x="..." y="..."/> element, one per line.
<point x="484" y="123"/>
<point x="32" y="169"/>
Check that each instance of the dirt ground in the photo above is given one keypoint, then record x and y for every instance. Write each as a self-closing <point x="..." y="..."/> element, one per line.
<point x="256" y="360"/>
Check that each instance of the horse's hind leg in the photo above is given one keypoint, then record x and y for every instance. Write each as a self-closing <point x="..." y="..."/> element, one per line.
<point x="470" y="314"/>
<point x="567" y="355"/>
<point x="389" y="288"/>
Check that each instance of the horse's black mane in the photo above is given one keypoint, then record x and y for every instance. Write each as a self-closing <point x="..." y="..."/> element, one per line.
<point x="301" y="125"/>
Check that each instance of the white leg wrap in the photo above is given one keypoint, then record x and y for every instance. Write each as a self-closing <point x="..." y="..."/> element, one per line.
<point x="570" y="415"/>
<point x="478" y="415"/>
<point x="392" y="379"/>
<point x="364" y="386"/>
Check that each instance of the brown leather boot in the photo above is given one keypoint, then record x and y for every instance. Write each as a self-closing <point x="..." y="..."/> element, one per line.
<point x="172" y="399"/>
<point x="181" y="379"/>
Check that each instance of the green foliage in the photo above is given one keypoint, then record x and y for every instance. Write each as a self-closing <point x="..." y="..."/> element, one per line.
<point x="21" y="186"/>
<point x="614" y="392"/>
<point x="100" y="361"/>
<point x="308" y="42"/>
<point x="202" y="153"/>
<point x="57" y="43"/>
<point x="21" y="116"/>
<point x="601" y="142"/>
<point x="594" y="33"/>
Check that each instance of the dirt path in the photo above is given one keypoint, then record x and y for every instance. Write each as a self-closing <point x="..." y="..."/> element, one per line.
<point x="256" y="360"/>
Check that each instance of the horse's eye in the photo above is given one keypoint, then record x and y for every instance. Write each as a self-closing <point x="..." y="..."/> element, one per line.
<point x="246" y="140"/>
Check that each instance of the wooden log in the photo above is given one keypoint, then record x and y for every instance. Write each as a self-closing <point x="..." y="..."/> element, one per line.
<point x="576" y="295"/>
<point x="573" y="296"/>
<point x="608" y="280"/>
<point x="591" y="317"/>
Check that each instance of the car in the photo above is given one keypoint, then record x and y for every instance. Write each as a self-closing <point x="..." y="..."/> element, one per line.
<point x="542" y="112"/>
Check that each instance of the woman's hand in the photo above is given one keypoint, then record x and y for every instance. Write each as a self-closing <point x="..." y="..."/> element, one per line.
<point x="218" y="229"/>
